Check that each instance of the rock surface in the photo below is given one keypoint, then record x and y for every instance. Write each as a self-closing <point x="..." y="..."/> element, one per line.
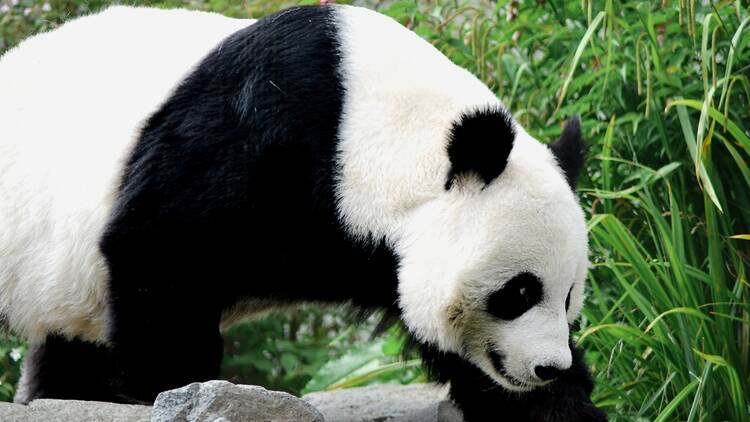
<point x="391" y="403"/>
<point x="221" y="401"/>
<point x="227" y="402"/>
<point x="45" y="410"/>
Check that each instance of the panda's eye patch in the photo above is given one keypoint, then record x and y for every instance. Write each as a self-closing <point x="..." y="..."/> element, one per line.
<point x="567" y="299"/>
<point x="517" y="296"/>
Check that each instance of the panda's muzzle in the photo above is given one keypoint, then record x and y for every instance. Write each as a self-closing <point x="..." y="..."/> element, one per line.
<point x="497" y="362"/>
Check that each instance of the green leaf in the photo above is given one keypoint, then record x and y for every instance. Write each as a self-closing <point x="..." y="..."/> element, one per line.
<point x="336" y="370"/>
<point x="577" y="56"/>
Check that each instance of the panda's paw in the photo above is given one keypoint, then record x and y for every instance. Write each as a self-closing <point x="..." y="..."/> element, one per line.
<point x="564" y="402"/>
<point x="579" y="412"/>
<point x="595" y="414"/>
<point x="586" y="413"/>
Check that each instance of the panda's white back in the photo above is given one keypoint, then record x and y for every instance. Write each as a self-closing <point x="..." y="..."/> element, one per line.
<point x="78" y="96"/>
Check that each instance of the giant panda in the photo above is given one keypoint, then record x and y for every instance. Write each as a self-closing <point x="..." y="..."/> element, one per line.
<point x="165" y="172"/>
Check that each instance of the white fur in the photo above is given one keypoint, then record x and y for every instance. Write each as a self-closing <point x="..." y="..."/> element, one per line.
<point x="456" y="247"/>
<point x="71" y="103"/>
<point x="401" y="95"/>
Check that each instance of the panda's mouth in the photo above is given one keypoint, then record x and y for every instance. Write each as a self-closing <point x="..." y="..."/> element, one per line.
<point x="497" y="362"/>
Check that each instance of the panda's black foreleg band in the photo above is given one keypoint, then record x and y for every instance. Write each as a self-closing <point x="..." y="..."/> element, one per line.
<point x="482" y="399"/>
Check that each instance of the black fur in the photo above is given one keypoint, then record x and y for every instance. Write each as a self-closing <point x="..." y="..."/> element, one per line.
<point x="569" y="150"/>
<point x="479" y="143"/>
<point x="481" y="399"/>
<point x="517" y="296"/>
<point x="67" y="369"/>
<point x="229" y="195"/>
<point x="567" y="299"/>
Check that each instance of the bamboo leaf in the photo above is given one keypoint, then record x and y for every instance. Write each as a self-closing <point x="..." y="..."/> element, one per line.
<point x="577" y="56"/>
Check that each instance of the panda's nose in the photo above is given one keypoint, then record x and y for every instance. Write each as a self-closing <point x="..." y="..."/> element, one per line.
<point x="547" y="373"/>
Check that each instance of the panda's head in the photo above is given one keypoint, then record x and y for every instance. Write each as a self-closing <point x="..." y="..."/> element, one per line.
<point x="493" y="269"/>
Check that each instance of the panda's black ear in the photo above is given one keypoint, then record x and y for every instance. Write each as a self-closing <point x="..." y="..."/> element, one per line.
<point x="479" y="143"/>
<point x="568" y="150"/>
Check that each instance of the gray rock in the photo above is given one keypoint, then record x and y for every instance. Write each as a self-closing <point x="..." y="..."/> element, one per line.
<point x="44" y="410"/>
<point x="392" y="403"/>
<point x="222" y="401"/>
<point x="13" y="412"/>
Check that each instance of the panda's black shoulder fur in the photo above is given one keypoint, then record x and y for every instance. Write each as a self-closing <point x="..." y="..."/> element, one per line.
<point x="229" y="195"/>
<point x="243" y="154"/>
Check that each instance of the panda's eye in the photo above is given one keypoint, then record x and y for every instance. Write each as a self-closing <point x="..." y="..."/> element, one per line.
<point x="517" y="296"/>
<point x="567" y="299"/>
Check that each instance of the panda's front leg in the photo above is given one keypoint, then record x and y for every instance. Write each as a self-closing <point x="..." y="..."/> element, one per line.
<point x="481" y="399"/>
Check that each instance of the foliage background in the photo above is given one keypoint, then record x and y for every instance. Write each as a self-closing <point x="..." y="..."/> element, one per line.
<point x="663" y="92"/>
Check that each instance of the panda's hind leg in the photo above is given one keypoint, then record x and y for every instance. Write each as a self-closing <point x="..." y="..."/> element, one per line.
<point x="62" y="368"/>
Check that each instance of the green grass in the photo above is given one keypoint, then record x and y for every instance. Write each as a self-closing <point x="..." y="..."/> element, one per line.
<point x="663" y="92"/>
